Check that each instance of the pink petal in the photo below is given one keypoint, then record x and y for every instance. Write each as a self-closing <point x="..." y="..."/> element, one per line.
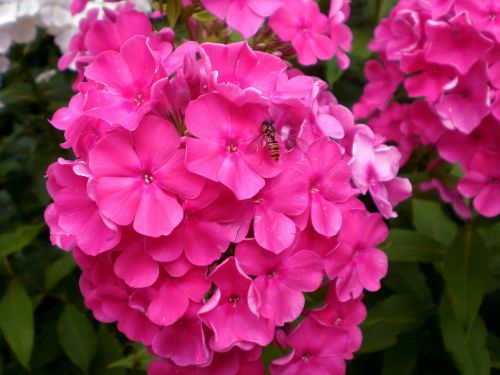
<point x="158" y="212"/>
<point x="168" y="306"/>
<point x="273" y="231"/>
<point x="114" y="156"/>
<point x="118" y="197"/>
<point x="239" y="177"/>
<point x="205" y="157"/>
<point x="302" y="271"/>
<point x="326" y="217"/>
<point x="136" y="268"/>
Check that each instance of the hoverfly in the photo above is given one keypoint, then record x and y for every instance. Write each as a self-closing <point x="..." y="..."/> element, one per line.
<point x="270" y="139"/>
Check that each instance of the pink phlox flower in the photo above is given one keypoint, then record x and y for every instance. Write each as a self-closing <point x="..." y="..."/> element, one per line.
<point x="283" y="197"/>
<point x="241" y="74"/>
<point x="184" y="341"/>
<point x="138" y="176"/>
<point x="302" y="23"/>
<point x="485" y="14"/>
<point x="455" y="146"/>
<point x="223" y="132"/>
<point x="356" y="262"/>
<point x="427" y="79"/>
<point x="280" y="279"/>
<point x="81" y="132"/>
<point x="438" y="8"/>
<point x="126" y="78"/>
<point x="456" y="43"/>
<point x="329" y="183"/>
<point x="395" y="125"/>
<point x="464" y="106"/>
<point x="346" y="315"/>
<point x="245" y="16"/>
<point x="77" y="6"/>
<point x="384" y="78"/>
<point x="77" y="214"/>
<point x="425" y="122"/>
<point x="374" y="168"/>
<point x="482" y="182"/>
<point x="448" y="195"/>
<point x="231" y="312"/>
<point x="174" y="295"/>
<point x="399" y="34"/>
<point x="199" y="223"/>
<point x="317" y="350"/>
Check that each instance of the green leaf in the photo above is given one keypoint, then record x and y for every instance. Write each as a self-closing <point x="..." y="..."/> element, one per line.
<point x="491" y="237"/>
<point x="12" y="242"/>
<point x="391" y="317"/>
<point x="138" y="361"/>
<point x="361" y="38"/>
<point x="469" y="351"/>
<point x="404" y="245"/>
<point x="16" y="93"/>
<point x="174" y="9"/>
<point x="16" y="321"/>
<point x="466" y="273"/>
<point x="402" y="358"/>
<point x="333" y="71"/>
<point x="203" y="16"/>
<point x="77" y="337"/>
<point x="430" y="221"/>
<point x="494" y="348"/>
<point x="58" y="269"/>
<point x="108" y="351"/>
<point x="408" y="279"/>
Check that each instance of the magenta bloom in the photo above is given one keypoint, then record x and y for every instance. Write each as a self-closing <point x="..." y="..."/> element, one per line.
<point x="466" y="105"/>
<point x="456" y="43"/>
<point x="374" y="168"/>
<point x="137" y="177"/>
<point x="485" y="14"/>
<point x="126" y="78"/>
<point x="75" y="214"/>
<point x="223" y="132"/>
<point x="231" y="312"/>
<point x="356" y="263"/>
<point x="482" y="182"/>
<point x="280" y="279"/>
<point x="245" y="16"/>
<point x="284" y="196"/>
<point x="346" y="315"/>
<point x="317" y="350"/>
<point x="329" y="183"/>
<point x="184" y="341"/>
<point x="302" y="23"/>
<point x="426" y="79"/>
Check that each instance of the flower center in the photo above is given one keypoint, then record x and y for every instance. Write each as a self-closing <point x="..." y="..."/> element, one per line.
<point x="314" y="190"/>
<point x="337" y="321"/>
<point x="231" y="148"/>
<point x="492" y="17"/>
<point x="271" y="274"/>
<point x="148" y="179"/>
<point x="233" y="299"/>
<point x="494" y="180"/>
<point x="305" y="357"/>
<point x="139" y="99"/>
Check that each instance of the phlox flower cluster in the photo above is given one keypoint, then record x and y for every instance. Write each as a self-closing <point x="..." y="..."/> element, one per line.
<point x="299" y="23"/>
<point x="212" y="189"/>
<point x="446" y="56"/>
<point x="19" y="20"/>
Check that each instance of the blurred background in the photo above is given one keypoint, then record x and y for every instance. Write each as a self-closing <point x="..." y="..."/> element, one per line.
<point x="410" y="328"/>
